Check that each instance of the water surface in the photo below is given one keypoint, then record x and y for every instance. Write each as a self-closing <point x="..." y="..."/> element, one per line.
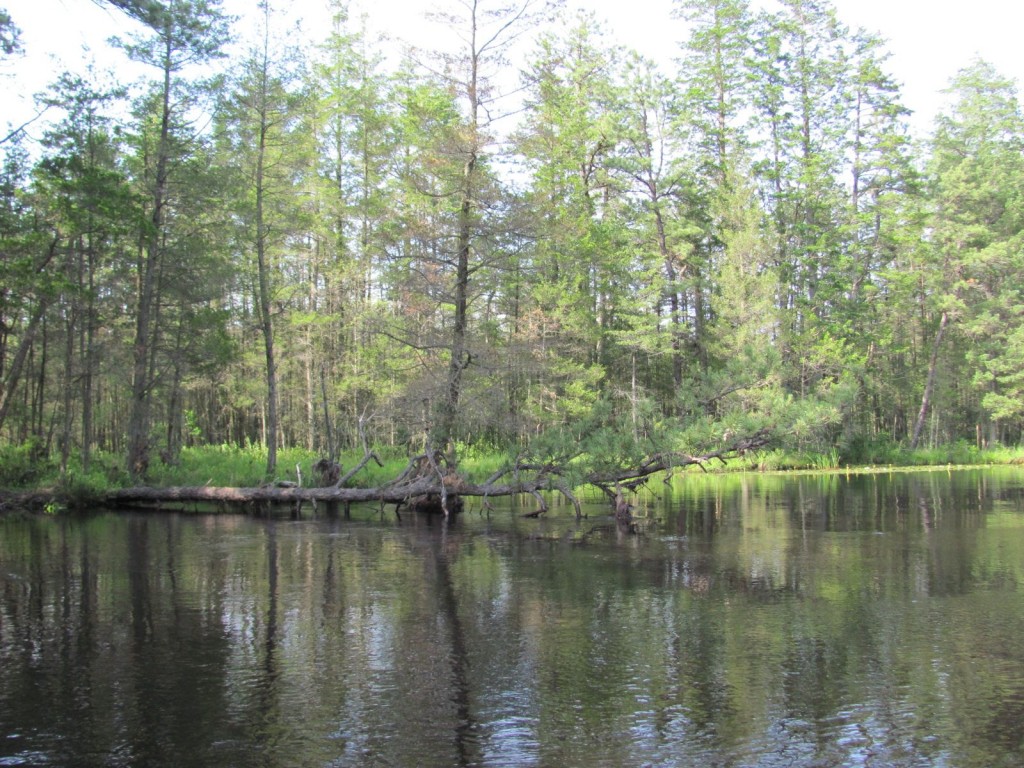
<point x="817" y="620"/>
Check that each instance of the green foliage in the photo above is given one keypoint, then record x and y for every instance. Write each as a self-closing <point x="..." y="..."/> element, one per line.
<point x="653" y="261"/>
<point x="220" y="465"/>
<point x="10" y="34"/>
<point x="79" y="490"/>
<point x="977" y="197"/>
<point x="24" y="465"/>
<point x="478" y="461"/>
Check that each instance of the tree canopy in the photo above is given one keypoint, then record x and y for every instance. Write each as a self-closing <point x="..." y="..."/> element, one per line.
<point x="535" y="242"/>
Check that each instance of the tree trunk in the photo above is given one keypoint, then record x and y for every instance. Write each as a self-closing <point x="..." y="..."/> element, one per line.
<point x="142" y="352"/>
<point x="266" y="319"/>
<point x="672" y="278"/>
<point x="70" y="327"/>
<point x="460" y="357"/>
<point x="87" y="354"/>
<point x="929" y="386"/>
<point x="10" y="384"/>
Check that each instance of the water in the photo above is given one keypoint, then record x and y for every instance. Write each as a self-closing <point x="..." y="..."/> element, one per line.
<point x="820" y="620"/>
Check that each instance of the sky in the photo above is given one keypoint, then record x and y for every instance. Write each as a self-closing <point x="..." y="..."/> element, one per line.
<point x="930" y="40"/>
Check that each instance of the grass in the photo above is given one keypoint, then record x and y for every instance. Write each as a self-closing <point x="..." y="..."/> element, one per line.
<point x="237" y="466"/>
<point x="887" y="455"/>
<point x="26" y="468"/>
<point x="960" y="453"/>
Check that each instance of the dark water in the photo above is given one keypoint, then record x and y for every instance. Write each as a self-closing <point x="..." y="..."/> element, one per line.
<point x="821" y="620"/>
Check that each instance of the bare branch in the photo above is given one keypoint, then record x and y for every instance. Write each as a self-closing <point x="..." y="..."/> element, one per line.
<point x="424" y="476"/>
<point x="24" y="125"/>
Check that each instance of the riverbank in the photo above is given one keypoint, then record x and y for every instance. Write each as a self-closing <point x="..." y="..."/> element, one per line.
<point x="34" y="483"/>
<point x="882" y="455"/>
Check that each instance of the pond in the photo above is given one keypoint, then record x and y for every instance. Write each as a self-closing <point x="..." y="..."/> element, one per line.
<point x="751" y="620"/>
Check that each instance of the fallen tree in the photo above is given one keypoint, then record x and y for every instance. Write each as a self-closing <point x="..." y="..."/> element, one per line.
<point x="427" y="483"/>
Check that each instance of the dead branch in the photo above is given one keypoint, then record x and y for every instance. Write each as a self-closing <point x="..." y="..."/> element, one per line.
<point x="425" y="477"/>
<point x="358" y="468"/>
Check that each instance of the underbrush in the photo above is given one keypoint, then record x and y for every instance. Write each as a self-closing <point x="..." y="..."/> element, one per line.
<point x="959" y="453"/>
<point x="234" y="466"/>
<point x="23" y="465"/>
<point x="881" y="455"/>
<point x="26" y="467"/>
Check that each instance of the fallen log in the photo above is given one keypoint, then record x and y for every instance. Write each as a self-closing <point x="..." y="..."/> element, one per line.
<point x="424" y="478"/>
<point x="402" y="494"/>
<point x="26" y="501"/>
<point x="272" y="494"/>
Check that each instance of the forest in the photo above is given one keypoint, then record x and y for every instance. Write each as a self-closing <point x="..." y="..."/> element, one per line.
<point x="535" y="243"/>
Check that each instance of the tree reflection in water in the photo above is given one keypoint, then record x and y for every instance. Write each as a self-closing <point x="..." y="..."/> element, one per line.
<point x="753" y="620"/>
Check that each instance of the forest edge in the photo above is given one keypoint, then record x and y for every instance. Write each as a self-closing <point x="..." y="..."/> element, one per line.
<point x="425" y="485"/>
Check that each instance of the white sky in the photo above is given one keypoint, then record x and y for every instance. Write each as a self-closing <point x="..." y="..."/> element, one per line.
<point x="930" y="40"/>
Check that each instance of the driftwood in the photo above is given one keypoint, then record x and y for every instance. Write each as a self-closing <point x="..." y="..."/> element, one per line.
<point x="428" y="483"/>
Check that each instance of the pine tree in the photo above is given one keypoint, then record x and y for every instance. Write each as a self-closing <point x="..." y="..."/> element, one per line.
<point x="976" y="172"/>
<point x="180" y="34"/>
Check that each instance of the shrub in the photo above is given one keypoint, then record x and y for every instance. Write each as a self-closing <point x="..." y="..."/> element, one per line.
<point x="22" y="465"/>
